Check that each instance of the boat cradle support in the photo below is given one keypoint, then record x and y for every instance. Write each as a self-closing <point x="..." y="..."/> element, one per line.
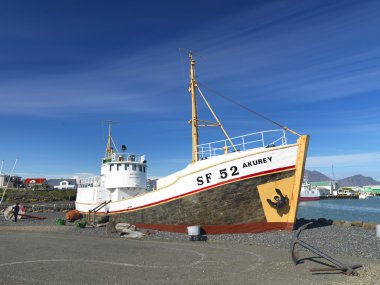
<point x="96" y="209"/>
<point x="337" y="266"/>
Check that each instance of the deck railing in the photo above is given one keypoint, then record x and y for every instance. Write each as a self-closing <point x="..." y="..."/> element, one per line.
<point x="262" y="139"/>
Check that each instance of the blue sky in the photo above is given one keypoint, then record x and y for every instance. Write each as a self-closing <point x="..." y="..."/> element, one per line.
<point x="66" y="67"/>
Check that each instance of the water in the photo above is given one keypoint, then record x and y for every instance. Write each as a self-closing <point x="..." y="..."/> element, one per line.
<point x="366" y="210"/>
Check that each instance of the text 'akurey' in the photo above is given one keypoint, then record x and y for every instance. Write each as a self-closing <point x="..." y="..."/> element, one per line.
<point x="257" y="161"/>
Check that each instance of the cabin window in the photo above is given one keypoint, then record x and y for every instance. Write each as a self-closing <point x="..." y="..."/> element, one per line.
<point x="118" y="166"/>
<point x="134" y="167"/>
<point x="111" y="165"/>
<point x="140" y="168"/>
<point x="144" y="169"/>
<point x="126" y="166"/>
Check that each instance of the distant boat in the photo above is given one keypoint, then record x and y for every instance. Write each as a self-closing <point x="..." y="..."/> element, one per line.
<point x="366" y="195"/>
<point x="309" y="192"/>
<point x="244" y="184"/>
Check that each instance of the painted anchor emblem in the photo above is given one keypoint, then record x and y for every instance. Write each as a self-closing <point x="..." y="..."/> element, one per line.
<point x="279" y="201"/>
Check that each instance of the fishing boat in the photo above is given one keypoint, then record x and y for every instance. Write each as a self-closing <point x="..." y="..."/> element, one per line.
<point x="366" y="195"/>
<point x="245" y="184"/>
<point x="308" y="192"/>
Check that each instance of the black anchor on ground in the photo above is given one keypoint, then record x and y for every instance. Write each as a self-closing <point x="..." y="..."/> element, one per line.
<point x="279" y="201"/>
<point x="337" y="266"/>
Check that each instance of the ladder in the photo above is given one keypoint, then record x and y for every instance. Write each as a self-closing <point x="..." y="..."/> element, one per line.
<point x="92" y="212"/>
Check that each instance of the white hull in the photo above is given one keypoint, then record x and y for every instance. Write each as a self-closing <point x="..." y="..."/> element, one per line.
<point x="365" y="196"/>
<point x="196" y="177"/>
<point x="309" y="193"/>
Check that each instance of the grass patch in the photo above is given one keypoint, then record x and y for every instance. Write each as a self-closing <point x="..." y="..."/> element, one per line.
<point x="30" y="196"/>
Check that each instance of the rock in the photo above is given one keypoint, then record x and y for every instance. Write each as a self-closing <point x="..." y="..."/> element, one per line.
<point x="133" y="227"/>
<point x="323" y="221"/>
<point x="346" y="224"/>
<point x="357" y="223"/>
<point x="131" y="234"/>
<point x="369" y="226"/>
<point x="110" y="228"/>
<point x="122" y="226"/>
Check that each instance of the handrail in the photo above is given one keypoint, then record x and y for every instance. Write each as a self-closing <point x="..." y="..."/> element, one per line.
<point x="125" y="156"/>
<point x="262" y="139"/>
<point x="96" y="209"/>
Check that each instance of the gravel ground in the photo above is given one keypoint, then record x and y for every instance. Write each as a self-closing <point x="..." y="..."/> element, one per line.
<point x="349" y="241"/>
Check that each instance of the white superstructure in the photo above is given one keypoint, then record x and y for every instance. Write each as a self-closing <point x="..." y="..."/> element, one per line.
<point x="309" y="192"/>
<point x="122" y="176"/>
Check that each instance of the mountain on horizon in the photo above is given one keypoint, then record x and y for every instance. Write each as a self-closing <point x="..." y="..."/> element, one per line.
<point x="355" y="180"/>
<point x="316" y="176"/>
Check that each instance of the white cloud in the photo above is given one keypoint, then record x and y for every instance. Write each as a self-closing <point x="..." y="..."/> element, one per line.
<point x="343" y="160"/>
<point x="342" y="166"/>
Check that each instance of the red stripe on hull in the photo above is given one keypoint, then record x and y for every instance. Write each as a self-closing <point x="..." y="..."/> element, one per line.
<point x="309" y="199"/>
<point x="257" y="227"/>
<point x="204" y="188"/>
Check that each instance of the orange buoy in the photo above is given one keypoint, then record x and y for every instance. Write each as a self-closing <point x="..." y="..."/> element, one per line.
<point x="73" y="215"/>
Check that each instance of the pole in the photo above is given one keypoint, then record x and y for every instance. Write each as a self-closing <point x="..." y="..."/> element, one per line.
<point x="6" y="187"/>
<point x="194" y="114"/>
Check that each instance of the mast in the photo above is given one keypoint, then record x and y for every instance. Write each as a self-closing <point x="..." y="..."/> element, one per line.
<point x="194" y="114"/>
<point x="109" y="149"/>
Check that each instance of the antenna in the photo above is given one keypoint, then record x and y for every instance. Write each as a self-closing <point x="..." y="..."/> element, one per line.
<point x="187" y="51"/>
<point x="332" y="171"/>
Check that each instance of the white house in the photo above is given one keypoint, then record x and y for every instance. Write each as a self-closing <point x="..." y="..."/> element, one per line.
<point x="62" y="184"/>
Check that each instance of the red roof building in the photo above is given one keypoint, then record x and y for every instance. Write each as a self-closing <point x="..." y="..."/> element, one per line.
<point x="35" y="180"/>
<point x="36" y="183"/>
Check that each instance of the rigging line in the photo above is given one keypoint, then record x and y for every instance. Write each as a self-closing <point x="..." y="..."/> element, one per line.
<point x="216" y="118"/>
<point x="247" y="109"/>
<point x="114" y="145"/>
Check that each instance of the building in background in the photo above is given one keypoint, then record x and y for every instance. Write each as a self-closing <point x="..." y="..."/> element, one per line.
<point x="36" y="183"/>
<point x="326" y="187"/>
<point x="375" y="189"/>
<point x="10" y="181"/>
<point x="62" y="184"/>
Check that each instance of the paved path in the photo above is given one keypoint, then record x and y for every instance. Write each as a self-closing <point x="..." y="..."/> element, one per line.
<point x="59" y="258"/>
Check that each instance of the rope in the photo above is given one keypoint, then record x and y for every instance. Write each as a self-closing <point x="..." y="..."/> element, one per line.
<point x="247" y="109"/>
